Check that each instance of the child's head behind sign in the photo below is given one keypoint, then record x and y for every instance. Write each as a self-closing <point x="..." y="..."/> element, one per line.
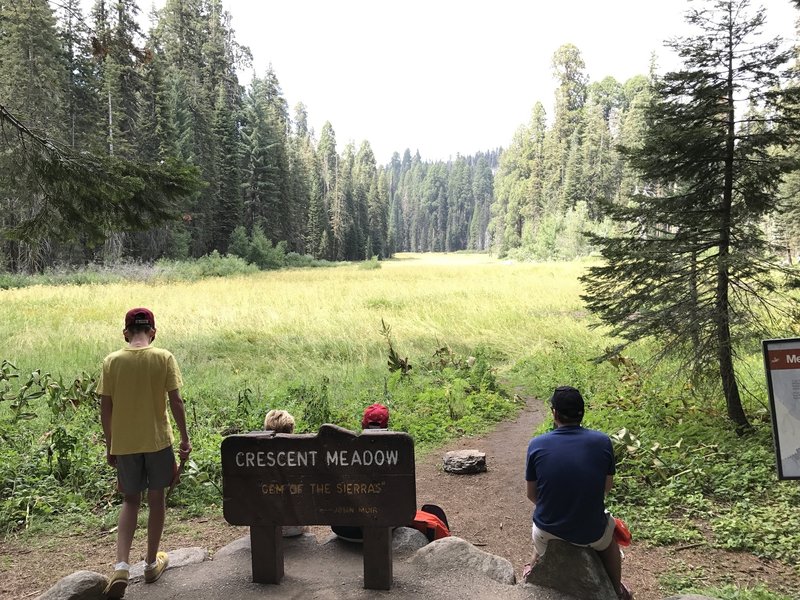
<point x="279" y="421"/>
<point x="376" y="416"/>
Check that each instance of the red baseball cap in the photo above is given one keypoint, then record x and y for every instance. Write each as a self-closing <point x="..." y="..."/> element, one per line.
<point x="140" y="316"/>
<point x="375" y="415"/>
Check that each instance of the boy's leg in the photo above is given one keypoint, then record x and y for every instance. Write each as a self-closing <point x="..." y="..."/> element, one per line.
<point x="160" y="467"/>
<point x="127" y="526"/>
<point x="156" y="501"/>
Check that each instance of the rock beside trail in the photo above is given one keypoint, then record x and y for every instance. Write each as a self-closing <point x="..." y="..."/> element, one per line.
<point x="573" y="570"/>
<point x="440" y="570"/>
<point x="453" y="552"/>
<point x="81" y="585"/>
<point x="88" y="585"/>
<point x="406" y="540"/>
<point x="177" y="558"/>
<point x="465" y="462"/>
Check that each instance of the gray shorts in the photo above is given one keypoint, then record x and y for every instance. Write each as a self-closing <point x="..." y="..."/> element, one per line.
<point x="147" y="471"/>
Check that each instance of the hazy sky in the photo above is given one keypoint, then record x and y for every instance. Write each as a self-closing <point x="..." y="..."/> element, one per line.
<point x="448" y="76"/>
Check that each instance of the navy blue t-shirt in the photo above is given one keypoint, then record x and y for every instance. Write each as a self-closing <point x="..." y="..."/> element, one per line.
<point x="569" y="466"/>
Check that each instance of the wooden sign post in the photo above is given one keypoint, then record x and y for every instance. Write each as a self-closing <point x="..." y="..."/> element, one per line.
<point x="336" y="477"/>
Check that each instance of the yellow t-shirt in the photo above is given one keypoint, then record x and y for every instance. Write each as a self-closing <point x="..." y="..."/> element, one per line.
<point x="138" y="379"/>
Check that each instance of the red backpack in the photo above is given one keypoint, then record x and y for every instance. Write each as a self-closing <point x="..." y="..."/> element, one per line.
<point x="431" y="521"/>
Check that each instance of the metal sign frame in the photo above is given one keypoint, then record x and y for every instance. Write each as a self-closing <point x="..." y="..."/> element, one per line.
<point x="782" y="368"/>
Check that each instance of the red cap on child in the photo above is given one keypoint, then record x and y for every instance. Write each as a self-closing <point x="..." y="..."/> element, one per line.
<point x="140" y="316"/>
<point x="375" y="415"/>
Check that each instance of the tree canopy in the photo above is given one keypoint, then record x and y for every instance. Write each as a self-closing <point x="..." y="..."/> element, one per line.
<point x="692" y="266"/>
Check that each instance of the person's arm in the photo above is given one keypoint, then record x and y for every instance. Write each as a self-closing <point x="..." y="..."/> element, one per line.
<point x="533" y="493"/>
<point x="105" y="419"/>
<point x="178" y="410"/>
<point x="609" y="483"/>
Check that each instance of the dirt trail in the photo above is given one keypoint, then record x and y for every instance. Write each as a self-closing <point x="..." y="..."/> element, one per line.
<point x="488" y="509"/>
<point x="491" y="510"/>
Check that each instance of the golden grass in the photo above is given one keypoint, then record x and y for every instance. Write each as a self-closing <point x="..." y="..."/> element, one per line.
<point x="294" y="324"/>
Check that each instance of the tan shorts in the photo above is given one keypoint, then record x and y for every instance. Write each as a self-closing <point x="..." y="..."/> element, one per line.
<point x="541" y="537"/>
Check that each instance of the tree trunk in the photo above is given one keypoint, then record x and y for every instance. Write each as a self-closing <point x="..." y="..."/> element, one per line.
<point x="722" y="318"/>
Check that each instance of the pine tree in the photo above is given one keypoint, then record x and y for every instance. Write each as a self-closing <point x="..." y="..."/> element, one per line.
<point x="33" y="87"/>
<point x="691" y="268"/>
<point x="518" y="186"/>
<point x="342" y="239"/>
<point x="118" y="48"/>
<point x="227" y="194"/>
<point x="482" y="185"/>
<point x="328" y="173"/>
<point x="82" y="97"/>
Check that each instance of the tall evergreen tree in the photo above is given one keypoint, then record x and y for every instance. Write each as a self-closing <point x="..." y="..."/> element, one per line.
<point x="118" y="48"/>
<point x="518" y="185"/>
<point x="692" y="268"/>
<point x="33" y="87"/>
<point x="482" y="184"/>
<point x="366" y="204"/>
<point x="82" y="97"/>
<point x="343" y="243"/>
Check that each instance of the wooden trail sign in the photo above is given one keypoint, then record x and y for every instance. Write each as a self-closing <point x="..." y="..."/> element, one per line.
<point x="336" y="477"/>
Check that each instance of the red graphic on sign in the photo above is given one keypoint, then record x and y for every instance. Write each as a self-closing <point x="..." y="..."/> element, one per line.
<point x="784" y="359"/>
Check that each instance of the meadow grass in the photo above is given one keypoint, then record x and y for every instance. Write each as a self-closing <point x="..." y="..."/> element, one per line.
<point x="261" y="331"/>
<point x="299" y="338"/>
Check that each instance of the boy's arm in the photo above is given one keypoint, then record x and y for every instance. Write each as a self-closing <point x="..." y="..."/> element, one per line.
<point x="179" y="414"/>
<point x="105" y="419"/>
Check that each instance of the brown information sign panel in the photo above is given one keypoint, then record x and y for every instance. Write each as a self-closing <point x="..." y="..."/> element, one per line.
<point x="335" y="477"/>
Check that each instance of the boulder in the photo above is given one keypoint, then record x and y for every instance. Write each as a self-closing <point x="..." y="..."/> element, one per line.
<point x="236" y="546"/>
<point x="81" y="585"/>
<point x="177" y="558"/>
<point x="406" y="540"/>
<point x="572" y="570"/>
<point x="453" y="553"/>
<point x="464" y="462"/>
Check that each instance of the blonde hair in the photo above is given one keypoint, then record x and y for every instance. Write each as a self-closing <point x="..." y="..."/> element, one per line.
<point x="279" y="421"/>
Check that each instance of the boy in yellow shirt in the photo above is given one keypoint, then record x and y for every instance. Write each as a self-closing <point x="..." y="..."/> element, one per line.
<point x="136" y="384"/>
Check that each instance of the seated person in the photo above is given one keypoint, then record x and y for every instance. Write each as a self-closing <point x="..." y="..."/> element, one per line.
<point x="568" y="471"/>
<point x="281" y="421"/>
<point x="376" y="416"/>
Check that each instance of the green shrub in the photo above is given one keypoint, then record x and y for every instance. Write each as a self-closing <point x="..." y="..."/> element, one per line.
<point x="372" y="263"/>
<point x="210" y="265"/>
<point x="296" y="261"/>
<point x="263" y="253"/>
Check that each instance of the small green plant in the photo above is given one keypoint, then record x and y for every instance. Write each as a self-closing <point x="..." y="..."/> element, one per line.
<point x="731" y="592"/>
<point x="395" y="361"/>
<point x="315" y="402"/>
<point x="19" y="400"/>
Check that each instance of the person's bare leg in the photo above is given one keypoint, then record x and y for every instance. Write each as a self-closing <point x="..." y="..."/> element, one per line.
<point x="127" y="526"/>
<point x="156" y="502"/>
<point x="612" y="561"/>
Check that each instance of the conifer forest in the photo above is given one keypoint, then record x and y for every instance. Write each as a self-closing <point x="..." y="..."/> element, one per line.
<point x="123" y="144"/>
